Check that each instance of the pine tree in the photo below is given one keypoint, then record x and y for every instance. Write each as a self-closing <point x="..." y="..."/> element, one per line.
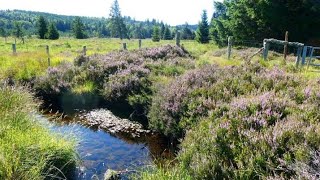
<point x="17" y="31"/>
<point x="162" y="30"/>
<point x="42" y="27"/>
<point x="156" y="34"/>
<point x="117" y="25"/>
<point x="78" y="29"/>
<point x="202" y="34"/>
<point x="103" y="32"/>
<point x="187" y="32"/>
<point x="53" y="32"/>
<point x="167" y="33"/>
<point x="3" y="33"/>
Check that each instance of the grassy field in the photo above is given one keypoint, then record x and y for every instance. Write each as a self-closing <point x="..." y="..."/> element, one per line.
<point x="31" y="58"/>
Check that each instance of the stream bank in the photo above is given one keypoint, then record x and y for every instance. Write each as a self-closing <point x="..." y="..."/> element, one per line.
<point x="106" y="141"/>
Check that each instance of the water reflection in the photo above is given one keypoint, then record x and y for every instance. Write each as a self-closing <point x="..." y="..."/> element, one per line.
<point x="100" y="150"/>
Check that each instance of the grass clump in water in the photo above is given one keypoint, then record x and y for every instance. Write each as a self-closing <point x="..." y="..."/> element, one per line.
<point x="28" y="150"/>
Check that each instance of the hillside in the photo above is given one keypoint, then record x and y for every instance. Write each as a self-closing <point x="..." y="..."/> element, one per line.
<point x="94" y="26"/>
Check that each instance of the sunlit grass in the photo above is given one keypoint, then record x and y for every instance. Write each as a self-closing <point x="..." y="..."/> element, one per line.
<point x="28" y="150"/>
<point x="87" y="87"/>
<point x="31" y="59"/>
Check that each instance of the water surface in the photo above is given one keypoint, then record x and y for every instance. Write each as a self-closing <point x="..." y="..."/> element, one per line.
<point x="100" y="150"/>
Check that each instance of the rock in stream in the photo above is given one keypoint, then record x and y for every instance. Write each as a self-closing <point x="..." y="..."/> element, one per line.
<point x="106" y="120"/>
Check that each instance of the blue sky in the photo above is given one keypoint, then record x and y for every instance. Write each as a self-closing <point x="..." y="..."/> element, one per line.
<point x="172" y="12"/>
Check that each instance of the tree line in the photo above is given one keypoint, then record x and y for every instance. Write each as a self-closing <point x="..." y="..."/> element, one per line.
<point x="51" y="26"/>
<point x="256" y="20"/>
<point x="244" y="20"/>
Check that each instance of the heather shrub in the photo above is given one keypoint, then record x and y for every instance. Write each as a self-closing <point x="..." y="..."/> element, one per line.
<point x="257" y="136"/>
<point x="57" y="79"/>
<point x="118" y="77"/>
<point x="164" y="52"/>
<point x="210" y="90"/>
<point x="231" y="150"/>
<point x="245" y="122"/>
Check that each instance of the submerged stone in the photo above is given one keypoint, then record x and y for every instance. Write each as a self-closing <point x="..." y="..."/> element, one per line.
<point x="111" y="175"/>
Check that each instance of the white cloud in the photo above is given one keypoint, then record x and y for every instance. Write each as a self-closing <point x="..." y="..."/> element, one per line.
<point x="170" y="11"/>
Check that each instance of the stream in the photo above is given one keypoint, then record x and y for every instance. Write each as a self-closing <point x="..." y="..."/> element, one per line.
<point x="100" y="150"/>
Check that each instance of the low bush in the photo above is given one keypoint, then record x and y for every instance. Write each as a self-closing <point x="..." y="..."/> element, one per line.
<point x="200" y="92"/>
<point x="245" y="122"/>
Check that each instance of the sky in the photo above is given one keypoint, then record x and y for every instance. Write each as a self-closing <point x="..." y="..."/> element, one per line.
<point x="173" y="12"/>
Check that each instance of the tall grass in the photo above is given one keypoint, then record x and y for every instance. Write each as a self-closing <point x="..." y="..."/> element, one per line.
<point x="28" y="150"/>
<point x="31" y="58"/>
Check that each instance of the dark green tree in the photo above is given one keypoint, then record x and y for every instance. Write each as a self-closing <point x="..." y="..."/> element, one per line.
<point x="4" y="34"/>
<point x="17" y="31"/>
<point x="53" y="32"/>
<point x="256" y="20"/>
<point x="78" y="29"/>
<point x="138" y="31"/>
<point x="117" y="25"/>
<point x="42" y="27"/>
<point x="156" y="34"/>
<point x="202" y="34"/>
<point x="187" y="33"/>
<point x="103" y="31"/>
<point x="162" y="30"/>
<point x="167" y="33"/>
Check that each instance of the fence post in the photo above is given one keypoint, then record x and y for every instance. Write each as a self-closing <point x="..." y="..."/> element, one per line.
<point x="124" y="46"/>
<point x="230" y="42"/>
<point x="285" y="51"/>
<point x="14" y="49"/>
<point x="298" y="55"/>
<point x="84" y="50"/>
<point x="48" y="54"/>
<point x="178" y="38"/>
<point x="304" y="55"/>
<point x="266" y="46"/>
<point x="140" y="43"/>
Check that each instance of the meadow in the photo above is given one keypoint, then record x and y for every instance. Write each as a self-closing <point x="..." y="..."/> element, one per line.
<point x="255" y="119"/>
<point x="31" y="58"/>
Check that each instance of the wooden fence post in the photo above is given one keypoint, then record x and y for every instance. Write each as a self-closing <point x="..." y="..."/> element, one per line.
<point x="48" y="54"/>
<point x="304" y="55"/>
<point x="266" y="46"/>
<point x="140" y="43"/>
<point x="84" y="51"/>
<point x="285" y="51"/>
<point x="299" y="51"/>
<point x="14" y="49"/>
<point x="124" y="46"/>
<point x="178" y="38"/>
<point x="230" y="42"/>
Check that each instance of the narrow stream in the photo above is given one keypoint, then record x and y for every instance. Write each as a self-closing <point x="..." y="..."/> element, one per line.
<point x="100" y="151"/>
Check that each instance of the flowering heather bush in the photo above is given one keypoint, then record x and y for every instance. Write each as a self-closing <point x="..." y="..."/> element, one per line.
<point x="128" y="81"/>
<point x="231" y="150"/>
<point x="123" y="76"/>
<point x="241" y="122"/>
<point x="57" y="79"/>
<point x="164" y="52"/>
<point x="260" y="111"/>
<point x="210" y="90"/>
